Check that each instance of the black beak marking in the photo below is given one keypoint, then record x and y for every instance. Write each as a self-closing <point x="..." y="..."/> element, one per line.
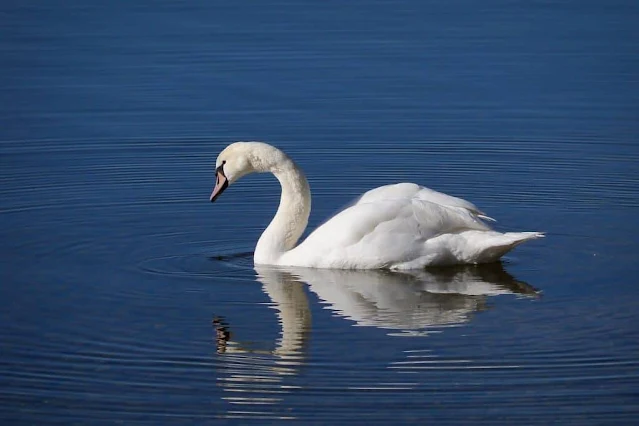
<point x="221" y="183"/>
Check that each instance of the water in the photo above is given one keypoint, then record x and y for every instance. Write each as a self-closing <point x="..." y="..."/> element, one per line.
<point x="128" y="298"/>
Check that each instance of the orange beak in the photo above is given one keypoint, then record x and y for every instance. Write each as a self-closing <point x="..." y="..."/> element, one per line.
<point x="221" y="183"/>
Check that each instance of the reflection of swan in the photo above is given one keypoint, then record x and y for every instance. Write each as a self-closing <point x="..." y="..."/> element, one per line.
<point x="409" y="302"/>
<point x="256" y="376"/>
<point x="289" y="300"/>
<point x="405" y="301"/>
<point x="401" y="226"/>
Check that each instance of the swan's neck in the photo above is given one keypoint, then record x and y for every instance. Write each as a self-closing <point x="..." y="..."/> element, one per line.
<point x="291" y="218"/>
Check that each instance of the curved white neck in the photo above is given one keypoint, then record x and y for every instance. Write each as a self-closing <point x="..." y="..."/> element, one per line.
<point x="291" y="218"/>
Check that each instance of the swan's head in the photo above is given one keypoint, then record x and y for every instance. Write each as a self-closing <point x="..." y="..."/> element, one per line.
<point x="242" y="158"/>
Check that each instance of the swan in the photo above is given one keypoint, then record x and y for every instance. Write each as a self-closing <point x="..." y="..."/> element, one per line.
<point x="400" y="226"/>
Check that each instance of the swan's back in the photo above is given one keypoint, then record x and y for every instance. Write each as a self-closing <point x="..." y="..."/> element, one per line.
<point x="411" y="190"/>
<point x="393" y="226"/>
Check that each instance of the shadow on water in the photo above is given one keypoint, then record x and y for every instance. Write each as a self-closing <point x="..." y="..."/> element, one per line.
<point x="408" y="304"/>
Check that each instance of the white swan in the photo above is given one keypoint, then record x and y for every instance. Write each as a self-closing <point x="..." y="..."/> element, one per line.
<point x="401" y="226"/>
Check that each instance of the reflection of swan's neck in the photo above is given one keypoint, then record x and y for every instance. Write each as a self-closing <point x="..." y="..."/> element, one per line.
<point x="291" y="217"/>
<point x="294" y="314"/>
<point x="289" y="299"/>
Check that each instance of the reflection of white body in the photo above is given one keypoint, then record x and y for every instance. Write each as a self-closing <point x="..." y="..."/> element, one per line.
<point x="402" y="226"/>
<point x="390" y="300"/>
<point x="401" y="301"/>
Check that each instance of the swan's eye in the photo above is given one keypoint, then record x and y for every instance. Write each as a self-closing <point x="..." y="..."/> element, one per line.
<point x="220" y="169"/>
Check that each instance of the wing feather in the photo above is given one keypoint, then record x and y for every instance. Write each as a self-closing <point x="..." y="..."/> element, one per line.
<point x="411" y="190"/>
<point x="392" y="221"/>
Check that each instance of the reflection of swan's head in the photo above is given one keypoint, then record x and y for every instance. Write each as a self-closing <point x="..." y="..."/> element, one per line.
<point x="256" y="377"/>
<point x="242" y="158"/>
<point x="289" y="300"/>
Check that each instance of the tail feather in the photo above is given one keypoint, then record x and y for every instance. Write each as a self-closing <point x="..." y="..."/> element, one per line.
<point x="520" y="237"/>
<point x="501" y="244"/>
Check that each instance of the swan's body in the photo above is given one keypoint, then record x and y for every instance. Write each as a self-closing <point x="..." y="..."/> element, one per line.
<point x="401" y="226"/>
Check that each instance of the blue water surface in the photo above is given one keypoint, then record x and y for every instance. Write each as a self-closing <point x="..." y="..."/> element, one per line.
<point x="126" y="297"/>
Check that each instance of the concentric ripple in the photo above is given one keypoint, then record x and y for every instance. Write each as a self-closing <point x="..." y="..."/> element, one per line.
<point x="131" y="288"/>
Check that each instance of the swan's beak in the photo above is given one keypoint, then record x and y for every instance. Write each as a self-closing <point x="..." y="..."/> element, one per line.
<point x="221" y="183"/>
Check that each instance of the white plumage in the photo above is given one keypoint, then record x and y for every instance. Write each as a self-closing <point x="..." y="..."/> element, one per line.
<point x="401" y="226"/>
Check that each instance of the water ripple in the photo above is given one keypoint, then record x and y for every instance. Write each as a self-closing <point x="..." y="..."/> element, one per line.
<point x="135" y="263"/>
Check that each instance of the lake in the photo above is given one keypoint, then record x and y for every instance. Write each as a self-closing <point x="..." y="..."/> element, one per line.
<point x="127" y="297"/>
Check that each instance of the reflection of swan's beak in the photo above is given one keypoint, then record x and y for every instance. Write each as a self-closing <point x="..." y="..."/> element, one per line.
<point x="222" y="334"/>
<point x="221" y="183"/>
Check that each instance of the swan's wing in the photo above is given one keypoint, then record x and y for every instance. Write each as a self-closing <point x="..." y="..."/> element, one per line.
<point x="401" y="208"/>
<point x="378" y="231"/>
<point x="411" y="190"/>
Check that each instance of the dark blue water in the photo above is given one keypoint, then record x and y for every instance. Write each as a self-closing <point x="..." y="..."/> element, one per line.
<point x="126" y="297"/>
